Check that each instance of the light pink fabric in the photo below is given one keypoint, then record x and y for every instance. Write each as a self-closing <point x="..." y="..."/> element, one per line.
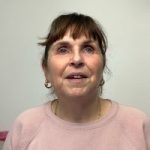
<point x="123" y="128"/>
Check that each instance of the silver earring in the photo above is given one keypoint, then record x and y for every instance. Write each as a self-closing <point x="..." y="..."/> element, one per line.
<point x="47" y="84"/>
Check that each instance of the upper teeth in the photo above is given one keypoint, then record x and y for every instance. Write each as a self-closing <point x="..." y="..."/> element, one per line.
<point x="77" y="76"/>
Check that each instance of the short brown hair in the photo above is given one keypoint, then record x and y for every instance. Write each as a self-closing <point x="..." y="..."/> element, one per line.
<point x="78" y="24"/>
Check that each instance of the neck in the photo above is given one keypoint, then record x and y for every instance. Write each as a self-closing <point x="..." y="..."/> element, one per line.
<point x="78" y="110"/>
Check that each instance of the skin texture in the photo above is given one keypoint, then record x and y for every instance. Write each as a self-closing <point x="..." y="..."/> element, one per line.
<point x="69" y="56"/>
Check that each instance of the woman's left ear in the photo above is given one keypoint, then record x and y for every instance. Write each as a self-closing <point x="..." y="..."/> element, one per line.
<point x="47" y="78"/>
<point x="102" y="81"/>
<point x="46" y="73"/>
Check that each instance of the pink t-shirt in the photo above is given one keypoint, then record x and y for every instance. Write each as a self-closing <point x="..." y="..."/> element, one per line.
<point x="122" y="128"/>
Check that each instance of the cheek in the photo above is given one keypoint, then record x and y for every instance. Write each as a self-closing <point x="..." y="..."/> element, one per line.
<point x="97" y="65"/>
<point x="56" y="68"/>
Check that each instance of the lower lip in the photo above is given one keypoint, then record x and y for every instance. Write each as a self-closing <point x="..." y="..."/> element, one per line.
<point x="77" y="80"/>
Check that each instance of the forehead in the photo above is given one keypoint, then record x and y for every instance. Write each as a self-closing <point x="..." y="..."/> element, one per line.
<point x="78" y="40"/>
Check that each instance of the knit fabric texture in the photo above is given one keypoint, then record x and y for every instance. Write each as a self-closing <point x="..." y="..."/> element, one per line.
<point x="122" y="128"/>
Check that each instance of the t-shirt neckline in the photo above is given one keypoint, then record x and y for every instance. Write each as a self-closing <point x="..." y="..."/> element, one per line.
<point x="85" y="126"/>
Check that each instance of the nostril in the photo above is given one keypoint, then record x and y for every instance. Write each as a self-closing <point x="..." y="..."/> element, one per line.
<point x="77" y="64"/>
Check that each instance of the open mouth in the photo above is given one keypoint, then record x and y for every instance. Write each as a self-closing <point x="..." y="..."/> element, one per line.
<point x="77" y="76"/>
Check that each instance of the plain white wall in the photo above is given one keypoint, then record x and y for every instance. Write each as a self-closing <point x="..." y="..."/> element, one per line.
<point x="22" y="23"/>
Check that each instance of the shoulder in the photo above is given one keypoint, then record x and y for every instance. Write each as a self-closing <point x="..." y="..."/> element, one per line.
<point x="26" y="127"/>
<point x="131" y="118"/>
<point x="37" y="113"/>
<point x="29" y="121"/>
<point x="135" y="124"/>
<point x="131" y="113"/>
<point x="31" y="117"/>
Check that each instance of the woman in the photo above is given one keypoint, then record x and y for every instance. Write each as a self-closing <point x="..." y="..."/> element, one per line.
<point x="73" y="63"/>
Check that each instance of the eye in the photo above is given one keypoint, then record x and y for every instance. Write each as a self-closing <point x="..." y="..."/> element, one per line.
<point x="63" y="50"/>
<point x="89" y="49"/>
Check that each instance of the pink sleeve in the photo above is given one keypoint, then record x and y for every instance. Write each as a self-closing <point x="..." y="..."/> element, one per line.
<point x="147" y="132"/>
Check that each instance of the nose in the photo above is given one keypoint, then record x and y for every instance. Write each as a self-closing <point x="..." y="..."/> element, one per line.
<point x="77" y="60"/>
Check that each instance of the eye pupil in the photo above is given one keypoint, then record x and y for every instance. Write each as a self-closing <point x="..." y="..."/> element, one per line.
<point x="89" y="49"/>
<point x="62" y="50"/>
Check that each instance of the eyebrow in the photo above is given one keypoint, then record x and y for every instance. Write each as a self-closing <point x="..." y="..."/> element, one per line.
<point x="68" y="43"/>
<point x="89" y="41"/>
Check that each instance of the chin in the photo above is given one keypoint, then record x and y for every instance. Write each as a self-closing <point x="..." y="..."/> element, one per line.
<point x="78" y="92"/>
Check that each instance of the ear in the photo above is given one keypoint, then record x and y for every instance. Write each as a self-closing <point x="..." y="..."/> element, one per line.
<point x="46" y="73"/>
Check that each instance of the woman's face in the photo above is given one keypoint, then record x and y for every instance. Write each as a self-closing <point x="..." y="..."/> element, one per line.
<point x="74" y="66"/>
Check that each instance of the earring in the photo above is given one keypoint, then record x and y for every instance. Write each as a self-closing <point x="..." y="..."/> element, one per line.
<point x="47" y="84"/>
